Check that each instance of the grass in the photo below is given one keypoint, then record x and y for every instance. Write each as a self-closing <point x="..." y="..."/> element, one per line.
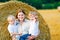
<point x="52" y="18"/>
<point x="11" y="7"/>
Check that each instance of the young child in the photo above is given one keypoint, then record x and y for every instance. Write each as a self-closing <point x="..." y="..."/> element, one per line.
<point x="33" y="27"/>
<point x="34" y="23"/>
<point x="12" y="27"/>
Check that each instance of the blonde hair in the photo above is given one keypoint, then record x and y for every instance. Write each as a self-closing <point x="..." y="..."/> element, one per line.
<point x="34" y="13"/>
<point x="10" y="17"/>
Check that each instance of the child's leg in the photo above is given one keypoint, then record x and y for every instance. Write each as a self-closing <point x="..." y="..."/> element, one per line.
<point x="13" y="38"/>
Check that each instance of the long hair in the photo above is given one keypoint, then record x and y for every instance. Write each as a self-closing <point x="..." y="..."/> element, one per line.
<point x="19" y="10"/>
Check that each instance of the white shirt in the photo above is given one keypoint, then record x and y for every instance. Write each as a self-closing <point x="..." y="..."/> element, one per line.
<point x="34" y="30"/>
<point x="12" y="28"/>
<point x="24" y="27"/>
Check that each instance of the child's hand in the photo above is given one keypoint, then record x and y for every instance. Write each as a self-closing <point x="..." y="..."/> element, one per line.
<point x="13" y="37"/>
<point x="34" y="20"/>
<point x="13" y="34"/>
<point x="30" y="37"/>
<point x="20" y="33"/>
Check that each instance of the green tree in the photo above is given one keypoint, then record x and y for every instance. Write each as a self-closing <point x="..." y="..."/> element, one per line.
<point x="3" y="0"/>
<point x="48" y="1"/>
<point x="34" y="3"/>
<point x="13" y="0"/>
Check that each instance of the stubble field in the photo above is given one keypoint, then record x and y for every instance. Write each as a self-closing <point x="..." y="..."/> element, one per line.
<point x="52" y="18"/>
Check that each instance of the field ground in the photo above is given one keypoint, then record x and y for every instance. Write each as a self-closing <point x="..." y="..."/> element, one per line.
<point x="52" y="18"/>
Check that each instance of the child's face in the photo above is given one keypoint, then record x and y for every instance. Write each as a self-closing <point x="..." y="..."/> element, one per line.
<point x="11" y="21"/>
<point x="31" y="16"/>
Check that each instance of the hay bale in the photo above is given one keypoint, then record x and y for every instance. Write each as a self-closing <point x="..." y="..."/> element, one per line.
<point x="11" y="8"/>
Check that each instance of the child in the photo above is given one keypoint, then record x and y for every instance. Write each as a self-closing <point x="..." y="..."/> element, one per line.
<point x="33" y="27"/>
<point x="34" y="23"/>
<point x="12" y="27"/>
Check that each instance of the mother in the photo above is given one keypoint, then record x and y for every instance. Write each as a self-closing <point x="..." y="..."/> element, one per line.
<point x="23" y="25"/>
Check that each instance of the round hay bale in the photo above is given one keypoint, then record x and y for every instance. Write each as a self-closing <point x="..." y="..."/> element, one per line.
<point x="11" y="7"/>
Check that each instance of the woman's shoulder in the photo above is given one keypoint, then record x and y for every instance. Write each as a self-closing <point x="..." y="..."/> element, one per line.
<point x="26" y="20"/>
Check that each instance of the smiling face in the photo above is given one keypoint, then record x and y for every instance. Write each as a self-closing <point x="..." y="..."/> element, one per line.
<point x="21" y="16"/>
<point x="31" y="16"/>
<point x="11" y="21"/>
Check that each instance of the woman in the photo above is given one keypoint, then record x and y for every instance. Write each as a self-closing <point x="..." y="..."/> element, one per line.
<point x="23" y="25"/>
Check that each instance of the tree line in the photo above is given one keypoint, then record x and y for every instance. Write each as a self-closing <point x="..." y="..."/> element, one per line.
<point x="40" y="4"/>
